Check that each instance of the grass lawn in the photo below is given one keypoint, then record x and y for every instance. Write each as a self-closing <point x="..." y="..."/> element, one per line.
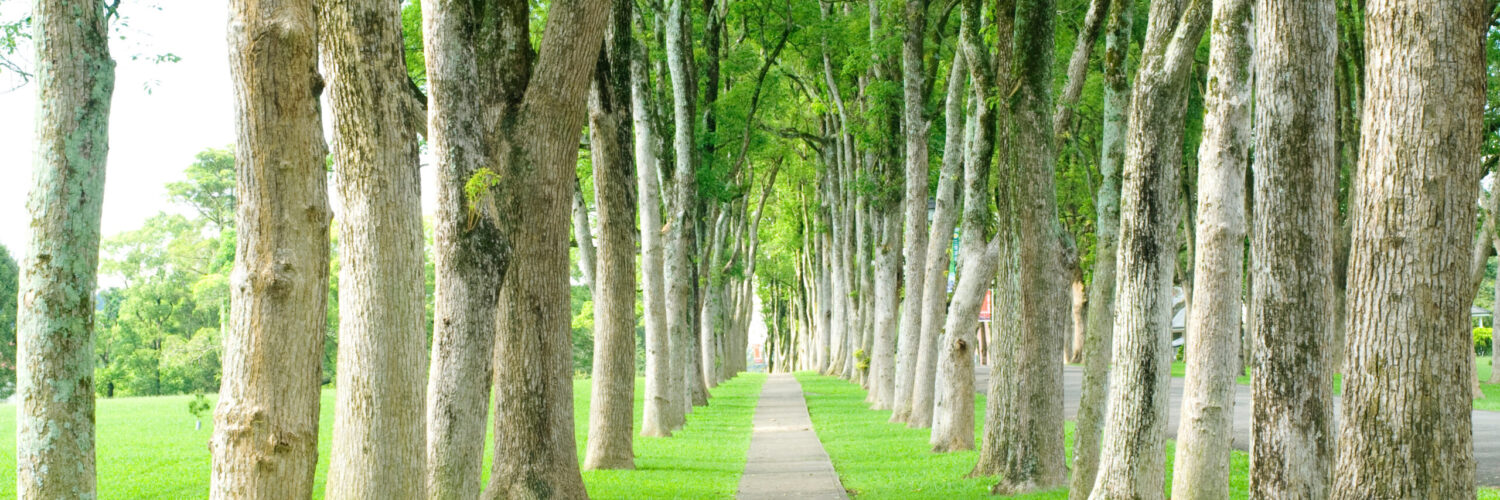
<point x="148" y="448"/>
<point x="877" y="459"/>
<point x="1491" y="401"/>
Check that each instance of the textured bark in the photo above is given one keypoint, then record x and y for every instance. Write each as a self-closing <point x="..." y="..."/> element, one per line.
<point x="75" y="79"/>
<point x="887" y="303"/>
<point x="661" y="414"/>
<point x="265" y="441"/>
<point x="535" y="452"/>
<point x="474" y="82"/>
<point x="1031" y="425"/>
<point x="915" y="125"/>
<point x="613" y="397"/>
<point x="953" y="413"/>
<point x="1405" y="423"/>
<point x="1078" y="66"/>
<point x="1205" y="429"/>
<point x="1132" y="455"/>
<point x="684" y="200"/>
<point x="1291" y="299"/>
<point x="944" y="218"/>
<point x="378" y="438"/>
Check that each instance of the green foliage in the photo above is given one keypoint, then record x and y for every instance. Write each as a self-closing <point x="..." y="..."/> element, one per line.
<point x="583" y="330"/>
<point x="477" y="190"/>
<point x="199" y="406"/>
<point x="1484" y="343"/>
<point x="9" y="290"/>
<point x="411" y="39"/>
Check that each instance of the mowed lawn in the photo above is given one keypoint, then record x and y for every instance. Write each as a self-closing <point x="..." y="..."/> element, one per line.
<point x="1491" y="401"/>
<point x="877" y="459"/>
<point x="148" y="448"/>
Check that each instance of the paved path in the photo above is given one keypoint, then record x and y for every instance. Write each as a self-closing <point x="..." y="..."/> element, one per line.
<point x="786" y="459"/>
<point x="1486" y="423"/>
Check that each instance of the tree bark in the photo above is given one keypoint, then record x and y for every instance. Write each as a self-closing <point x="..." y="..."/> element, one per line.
<point x="680" y="274"/>
<point x="1132" y="455"/>
<point x="1291" y="317"/>
<point x="474" y="82"/>
<point x="915" y="126"/>
<point x="265" y="441"/>
<point x="535" y="452"/>
<point x="1405" y="423"/>
<point x="613" y="397"/>
<point x="944" y="218"/>
<point x="1078" y="66"/>
<point x="75" y="79"/>
<point x="663" y="410"/>
<point x="1205" y="430"/>
<point x="378" y="438"/>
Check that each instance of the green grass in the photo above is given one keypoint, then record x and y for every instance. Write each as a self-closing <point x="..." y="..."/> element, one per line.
<point x="876" y="459"/>
<point x="1491" y="401"/>
<point x="148" y="448"/>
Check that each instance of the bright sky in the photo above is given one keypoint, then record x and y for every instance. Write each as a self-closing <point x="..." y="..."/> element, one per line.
<point x="162" y="114"/>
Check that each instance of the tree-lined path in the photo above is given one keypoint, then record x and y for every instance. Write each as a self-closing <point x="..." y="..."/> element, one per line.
<point x="786" y="460"/>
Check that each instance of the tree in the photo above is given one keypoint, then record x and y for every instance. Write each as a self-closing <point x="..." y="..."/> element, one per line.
<point x="915" y="126"/>
<point x="265" y="441"/>
<point x="663" y="408"/>
<point x="682" y="202"/>
<point x="1291" y="297"/>
<point x="611" y="137"/>
<point x="1131" y="458"/>
<point x="535" y="451"/>
<point x="1089" y="421"/>
<point x="210" y="186"/>
<point x="475" y="73"/>
<point x="1405" y="429"/>
<point x="379" y="422"/>
<point x="1205" y="431"/>
<point x="75" y="79"/>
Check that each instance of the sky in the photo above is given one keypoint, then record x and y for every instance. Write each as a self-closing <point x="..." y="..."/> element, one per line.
<point x="161" y="116"/>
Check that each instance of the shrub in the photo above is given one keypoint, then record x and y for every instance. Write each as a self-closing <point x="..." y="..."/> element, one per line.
<point x="1484" y="342"/>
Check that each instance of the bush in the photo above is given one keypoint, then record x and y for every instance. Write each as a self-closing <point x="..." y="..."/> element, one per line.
<point x="1484" y="342"/>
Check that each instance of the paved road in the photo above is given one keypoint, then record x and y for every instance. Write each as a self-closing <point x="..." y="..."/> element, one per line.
<point x="1486" y="423"/>
<point x="786" y="460"/>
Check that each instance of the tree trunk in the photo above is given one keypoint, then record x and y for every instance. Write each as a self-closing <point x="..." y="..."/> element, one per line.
<point x="915" y="126"/>
<point x="1031" y="428"/>
<point x="535" y="452"/>
<point x="1078" y="64"/>
<point x="953" y="414"/>
<point x="583" y="236"/>
<point x="1132" y="455"/>
<point x="75" y="79"/>
<point x="613" y="397"/>
<point x="265" y="441"/>
<point x="1405" y="423"/>
<point x="1291" y="320"/>
<point x="1205" y="429"/>
<point x="663" y="412"/>
<point x="379" y="424"/>
<point x="684" y="199"/>
<point x="470" y="248"/>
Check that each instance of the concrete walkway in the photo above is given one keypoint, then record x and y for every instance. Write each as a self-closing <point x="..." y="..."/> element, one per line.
<point x="786" y="459"/>
<point x="1486" y="423"/>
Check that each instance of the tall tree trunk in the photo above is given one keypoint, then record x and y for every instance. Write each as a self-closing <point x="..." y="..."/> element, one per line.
<point x="473" y="81"/>
<point x="1031" y="427"/>
<point x="75" y="80"/>
<point x="535" y="451"/>
<point x="1132" y="455"/>
<point x="1205" y="429"/>
<point x="1078" y="65"/>
<point x="265" y="441"/>
<point x="684" y="199"/>
<point x="1291" y="320"/>
<point x="663" y="410"/>
<point x="915" y="126"/>
<point x="945" y="217"/>
<point x="613" y="397"/>
<point x="1405" y="424"/>
<point x="379" y="424"/>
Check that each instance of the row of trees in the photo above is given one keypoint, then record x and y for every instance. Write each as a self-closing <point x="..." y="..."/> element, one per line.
<point x="1318" y="162"/>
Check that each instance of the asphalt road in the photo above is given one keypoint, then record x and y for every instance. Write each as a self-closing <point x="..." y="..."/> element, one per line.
<point x="1486" y="423"/>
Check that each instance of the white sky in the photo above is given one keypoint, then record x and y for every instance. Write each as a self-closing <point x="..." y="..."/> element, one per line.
<point x="162" y="115"/>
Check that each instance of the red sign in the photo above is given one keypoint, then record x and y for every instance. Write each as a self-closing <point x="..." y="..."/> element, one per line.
<point x="984" y="308"/>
